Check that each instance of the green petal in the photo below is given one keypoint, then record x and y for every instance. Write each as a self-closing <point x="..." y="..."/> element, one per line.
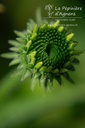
<point x="63" y="70"/>
<point x="22" y="41"/>
<point x="29" y="44"/>
<point x="20" y="34"/>
<point x="34" y="36"/>
<point x="42" y="68"/>
<point x="38" y="65"/>
<point x="35" y="29"/>
<point x="67" y="64"/>
<point x="43" y="27"/>
<point x="14" y="43"/>
<point x="56" y="71"/>
<point x="77" y="52"/>
<point x="32" y="54"/>
<point x="14" y="49"/>
<point x="58" y="78"/>
<point x="9" y="55"/>
<point x="56" y="24"/>
<point x="72" y="58"/>
<point x="33" y="61"/>
<point x="14" y="62"/>
<point x="71" y="68"/>
<point x="66" y="75"/>
<point x="25" y="75"/>
<point x="69" y="37"/>
<point x="76" y="61"/>
<point x="48" y="69"/>
<point x="60" y="29"/>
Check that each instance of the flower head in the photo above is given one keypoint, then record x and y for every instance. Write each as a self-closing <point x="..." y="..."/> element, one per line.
<point x="45" y="51"/>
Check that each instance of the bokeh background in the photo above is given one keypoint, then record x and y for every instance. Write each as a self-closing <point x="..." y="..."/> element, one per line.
<point x="20" y="107"/>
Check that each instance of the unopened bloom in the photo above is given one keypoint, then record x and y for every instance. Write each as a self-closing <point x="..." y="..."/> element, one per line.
<point x="44" y="51"/>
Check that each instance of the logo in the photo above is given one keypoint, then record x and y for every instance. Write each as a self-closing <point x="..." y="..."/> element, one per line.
<point x="49" y="8"/>
<point x="68" y="14"/>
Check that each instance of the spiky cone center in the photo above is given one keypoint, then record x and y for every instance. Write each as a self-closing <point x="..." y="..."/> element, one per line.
<point x="47" y="50"/>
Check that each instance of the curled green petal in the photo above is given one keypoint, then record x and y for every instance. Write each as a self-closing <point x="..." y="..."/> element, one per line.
<point x="34" y="36"/>
<point x="56" y="24"/>
<point x="38" y="65"/>
<point x="60" y="29"/>
<point x="32" y="54"/>
<point x="42" y="68"/>
<point x="69" y="37"/>
<point x="29" y="44"/>
<point x="43" y="27"/>
<point x="71" y="46"/>
<point x="33" y="61"/>
<point x="35" y="29"/>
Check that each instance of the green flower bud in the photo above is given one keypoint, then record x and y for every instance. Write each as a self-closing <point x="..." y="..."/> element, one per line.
<point x="46" y="49"/>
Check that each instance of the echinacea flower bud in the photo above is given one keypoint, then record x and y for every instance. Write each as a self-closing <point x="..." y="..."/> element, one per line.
<point x="47" y="50"/>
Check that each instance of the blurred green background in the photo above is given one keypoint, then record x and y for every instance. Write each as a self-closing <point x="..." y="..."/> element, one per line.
<point x="20" y="107"/>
